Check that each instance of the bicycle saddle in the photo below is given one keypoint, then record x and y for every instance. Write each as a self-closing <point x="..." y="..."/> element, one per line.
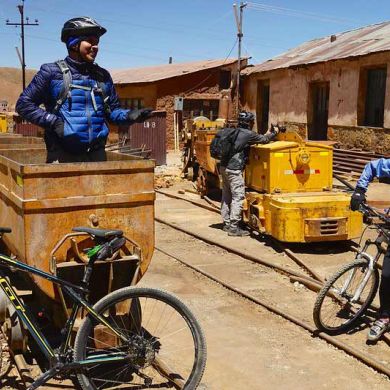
<point x="101" y="233"/>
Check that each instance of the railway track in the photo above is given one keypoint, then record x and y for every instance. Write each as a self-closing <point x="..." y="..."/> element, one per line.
<point x="305" y="275"/>
<point x="309" y="277"/>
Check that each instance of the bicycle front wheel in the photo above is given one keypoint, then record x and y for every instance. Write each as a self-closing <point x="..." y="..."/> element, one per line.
<point x="165" y="345"/>
<point x="339" y="303"/>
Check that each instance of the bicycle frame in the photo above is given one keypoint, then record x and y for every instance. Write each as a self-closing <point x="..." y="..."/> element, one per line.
<point x="77" y="294"/>
<point x="372" y="260"/>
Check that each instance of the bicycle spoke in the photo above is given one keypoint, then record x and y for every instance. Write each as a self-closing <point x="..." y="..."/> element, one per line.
<point x="345" y="296"/>
<point x="160" y="350"/>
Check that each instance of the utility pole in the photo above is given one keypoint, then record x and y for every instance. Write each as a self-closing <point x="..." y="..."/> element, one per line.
<point x="22" y="24"/>
<point x="239" y="35"/>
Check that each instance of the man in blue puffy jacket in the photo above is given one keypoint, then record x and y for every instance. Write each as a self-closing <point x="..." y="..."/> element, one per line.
<point x="78" y="98"/>
<point x="380" y="169"/>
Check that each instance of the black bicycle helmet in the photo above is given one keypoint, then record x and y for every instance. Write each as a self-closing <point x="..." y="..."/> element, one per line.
<point x="81" y="26"/>
<point x="245" y="118"/>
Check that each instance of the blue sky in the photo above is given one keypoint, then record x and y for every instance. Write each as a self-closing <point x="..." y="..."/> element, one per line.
<point x="147" y="32"/>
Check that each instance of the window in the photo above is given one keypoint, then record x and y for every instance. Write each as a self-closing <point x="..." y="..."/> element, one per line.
<point x="132" y="103"/>
<point x="199" y="107"/>
<point x="225" y="77"/>
<point x="371" y="102"/>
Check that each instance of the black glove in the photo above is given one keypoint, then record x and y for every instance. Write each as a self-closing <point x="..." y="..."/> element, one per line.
<point x="139" y="115"/>
<point x="357" y="198"/>
<point x="272" y="132"/>
<point x="58" y="128"/>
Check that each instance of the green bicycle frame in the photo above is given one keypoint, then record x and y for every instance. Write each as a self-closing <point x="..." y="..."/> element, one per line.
<point x="73" y="291"/>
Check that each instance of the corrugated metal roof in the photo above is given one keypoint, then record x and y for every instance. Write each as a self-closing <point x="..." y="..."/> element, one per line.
<point x="153" y="73"/>
<point x="359" y="42"/>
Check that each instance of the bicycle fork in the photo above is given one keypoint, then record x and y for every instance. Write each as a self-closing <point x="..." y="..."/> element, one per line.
<point x="371" y="262"/>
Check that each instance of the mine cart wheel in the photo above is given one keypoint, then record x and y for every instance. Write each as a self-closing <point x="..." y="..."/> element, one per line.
<point x="201" y="182"/>
<point x="186" y="160"/>
<point x="4" y="301"/>
<point x="14" y="331"/>
<point x="5" y="358"/>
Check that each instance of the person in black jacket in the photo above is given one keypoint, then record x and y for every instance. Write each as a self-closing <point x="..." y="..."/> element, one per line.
<point x="233" y="185"/>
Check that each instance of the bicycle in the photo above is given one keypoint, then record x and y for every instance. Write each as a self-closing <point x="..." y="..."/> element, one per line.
<point x="350" y="291"/>
<point x="136" y="336"/>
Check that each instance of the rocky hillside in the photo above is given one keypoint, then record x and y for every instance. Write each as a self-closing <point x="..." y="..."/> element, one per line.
<point x="11" y="84"/>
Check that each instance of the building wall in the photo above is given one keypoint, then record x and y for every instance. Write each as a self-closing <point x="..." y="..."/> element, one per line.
<point x="181" y="86"/>
<point x="146" y="91"/>
<point x="160" y="95"/>
<point x="289" y="99"/>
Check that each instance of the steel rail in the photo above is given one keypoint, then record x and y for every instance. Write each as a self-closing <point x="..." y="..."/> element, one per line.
<point x="288" y="252"/>
<point x="232" y="250"/>
<point x="373" y="363"/>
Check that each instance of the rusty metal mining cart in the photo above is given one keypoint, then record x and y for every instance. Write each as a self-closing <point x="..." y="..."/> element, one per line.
<point x="43" y="202"/>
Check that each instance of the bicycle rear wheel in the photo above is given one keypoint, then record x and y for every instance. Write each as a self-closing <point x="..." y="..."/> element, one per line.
<point x="335" y="310"/>
<point x="165" y="348"/>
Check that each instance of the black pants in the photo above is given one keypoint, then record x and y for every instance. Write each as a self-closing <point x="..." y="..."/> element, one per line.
<point x="58" y="152"/>
<point x="384" y="288"/>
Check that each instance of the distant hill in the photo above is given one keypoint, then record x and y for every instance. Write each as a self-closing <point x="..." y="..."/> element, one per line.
<point x="11" y="84"/>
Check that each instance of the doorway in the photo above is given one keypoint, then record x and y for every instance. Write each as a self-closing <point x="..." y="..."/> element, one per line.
<point x="262" y="107"/>
<point x="317" y="114"/>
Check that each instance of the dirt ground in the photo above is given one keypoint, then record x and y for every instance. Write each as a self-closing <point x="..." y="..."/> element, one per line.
<point x="250" y="348"/>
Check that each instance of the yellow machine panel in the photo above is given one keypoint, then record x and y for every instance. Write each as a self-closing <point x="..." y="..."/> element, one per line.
<point x="298" y="217"/>
<point x="3" y="123"/>
<point x="289" y="189"/>
<point x="289" y="166"/>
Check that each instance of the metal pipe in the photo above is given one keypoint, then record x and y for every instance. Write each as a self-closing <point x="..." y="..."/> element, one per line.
<point x="301" y="263"/>
<point x="210" y="208"/>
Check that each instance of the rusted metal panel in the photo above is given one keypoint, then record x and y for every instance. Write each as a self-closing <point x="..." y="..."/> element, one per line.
<point x="43" y="202"/>
<point x="27" y="129"/>
<point x="11" y="139"/>
<point x="18" y="141"/>
<point x="154" y="73"/>
<point x="152" y="134"/>
<point x="202" y="150"/>
<point x="370" y="39"/>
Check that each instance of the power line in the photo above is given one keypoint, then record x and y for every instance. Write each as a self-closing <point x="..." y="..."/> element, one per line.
<point x="212" y="73"/>
<point x="22" y="23"/>
<point x="297" y="13"/>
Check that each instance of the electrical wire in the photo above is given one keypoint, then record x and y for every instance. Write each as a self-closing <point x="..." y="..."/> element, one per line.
<point x="213" y="72"/>
<point x="297" y="13"/>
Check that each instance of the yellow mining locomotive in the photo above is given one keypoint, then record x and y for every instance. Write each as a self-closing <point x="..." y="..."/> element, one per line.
<point x="290" y="193"/>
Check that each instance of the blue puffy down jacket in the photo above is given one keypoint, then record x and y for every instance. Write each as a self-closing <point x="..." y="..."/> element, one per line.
<point x="84" y="122"/>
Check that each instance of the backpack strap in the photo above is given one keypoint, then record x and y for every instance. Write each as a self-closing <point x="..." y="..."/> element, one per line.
<point x="67" y="81"/>
<point x="105" y="97"/>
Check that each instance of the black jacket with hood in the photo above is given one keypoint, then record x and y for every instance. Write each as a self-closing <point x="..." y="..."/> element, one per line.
<point x="244" y="139"/>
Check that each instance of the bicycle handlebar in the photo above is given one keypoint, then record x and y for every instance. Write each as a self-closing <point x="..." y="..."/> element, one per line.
<point x="371" y="212"/>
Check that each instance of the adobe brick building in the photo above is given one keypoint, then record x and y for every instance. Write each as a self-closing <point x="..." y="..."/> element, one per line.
<point x="333" y="88"/>
<point x="207" y="89"/>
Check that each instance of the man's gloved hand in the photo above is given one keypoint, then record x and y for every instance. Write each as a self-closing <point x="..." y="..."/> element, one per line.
<point x="139" y="115"/>
<point x="357" y="198"/>
<point x="58" y="128"/>
<point x="272" y="132"/>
